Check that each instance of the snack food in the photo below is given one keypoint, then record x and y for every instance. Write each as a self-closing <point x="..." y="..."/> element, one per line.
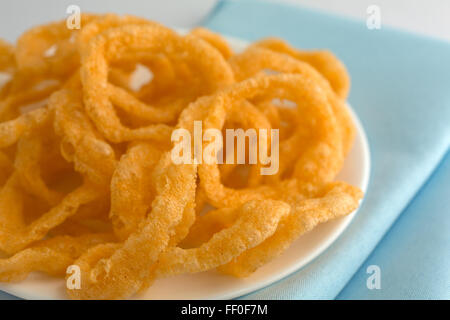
<point x="87" y="175"/>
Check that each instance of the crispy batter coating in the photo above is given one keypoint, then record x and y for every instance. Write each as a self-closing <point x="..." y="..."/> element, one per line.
<point x="255" y="221"/>
<point x="214" y="39"/>
<point x="257" y="59"/>
<point x="50" y="49"/>
<point x="86" y="170"/>
<point x="51" y="256"/>
<point x="322" y="60"/>
<point x="322" y="156"/>
<point x="119" y="271"/>
<point x="15" y="234"/>
<point x="339" y="200"/>
<point x="81" y="144"/>
<point x="208" y="63"/>
<point x="131" y="188"/>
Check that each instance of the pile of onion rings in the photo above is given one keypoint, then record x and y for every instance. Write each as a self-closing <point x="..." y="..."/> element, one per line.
<point x="86" y="174"/>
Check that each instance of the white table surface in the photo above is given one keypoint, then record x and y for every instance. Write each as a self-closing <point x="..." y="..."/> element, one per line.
<point x="427" y="17"/>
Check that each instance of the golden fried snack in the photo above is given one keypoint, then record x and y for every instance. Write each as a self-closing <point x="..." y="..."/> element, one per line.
<point x="121" y="71"/>
<point x="182" y="229"/>
<point x="130" y="104"/>
<point x="131" y="188"/>
<point x="35" y="150"/>
<point x="322" y="60"/>
<point x="12" y="130"/>
<point x="7" y="61"/>
<point x="208" y="224"/>
<point x="6" y="167"/>
<point x="105" y="47"/>
<point x="81" y="144"/>
<point x="51" y="256"/>
<point x="87" y="169"/>
<point x="50" y="49"/>
<point x="256" y="59"/>
<point x="120" y="273"/>
<point x="339" y="199"/>
<point x="213" y="39"/>
<point x="21" y="97"/>
<point x="15" y="234"/>
<point x="254" y="222"/>
<point x="321" y="159"/>
<point x="245" y="115"/>
<point x="103" y="23"/>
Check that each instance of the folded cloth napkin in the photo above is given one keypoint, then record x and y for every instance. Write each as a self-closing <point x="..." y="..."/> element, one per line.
<point x="414" y="256"/>
<point x="400" y="91"/>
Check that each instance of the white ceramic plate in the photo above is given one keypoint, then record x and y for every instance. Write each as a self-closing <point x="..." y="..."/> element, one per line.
<point x="211" y="285"/>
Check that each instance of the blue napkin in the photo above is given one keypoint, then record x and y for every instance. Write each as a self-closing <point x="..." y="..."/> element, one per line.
<point x="401" y="92"/>
<point x="414" y="256"/>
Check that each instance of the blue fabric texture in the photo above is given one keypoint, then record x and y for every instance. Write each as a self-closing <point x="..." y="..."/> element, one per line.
<point x="400" y="91"/>
<point x="414" y="256"/>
